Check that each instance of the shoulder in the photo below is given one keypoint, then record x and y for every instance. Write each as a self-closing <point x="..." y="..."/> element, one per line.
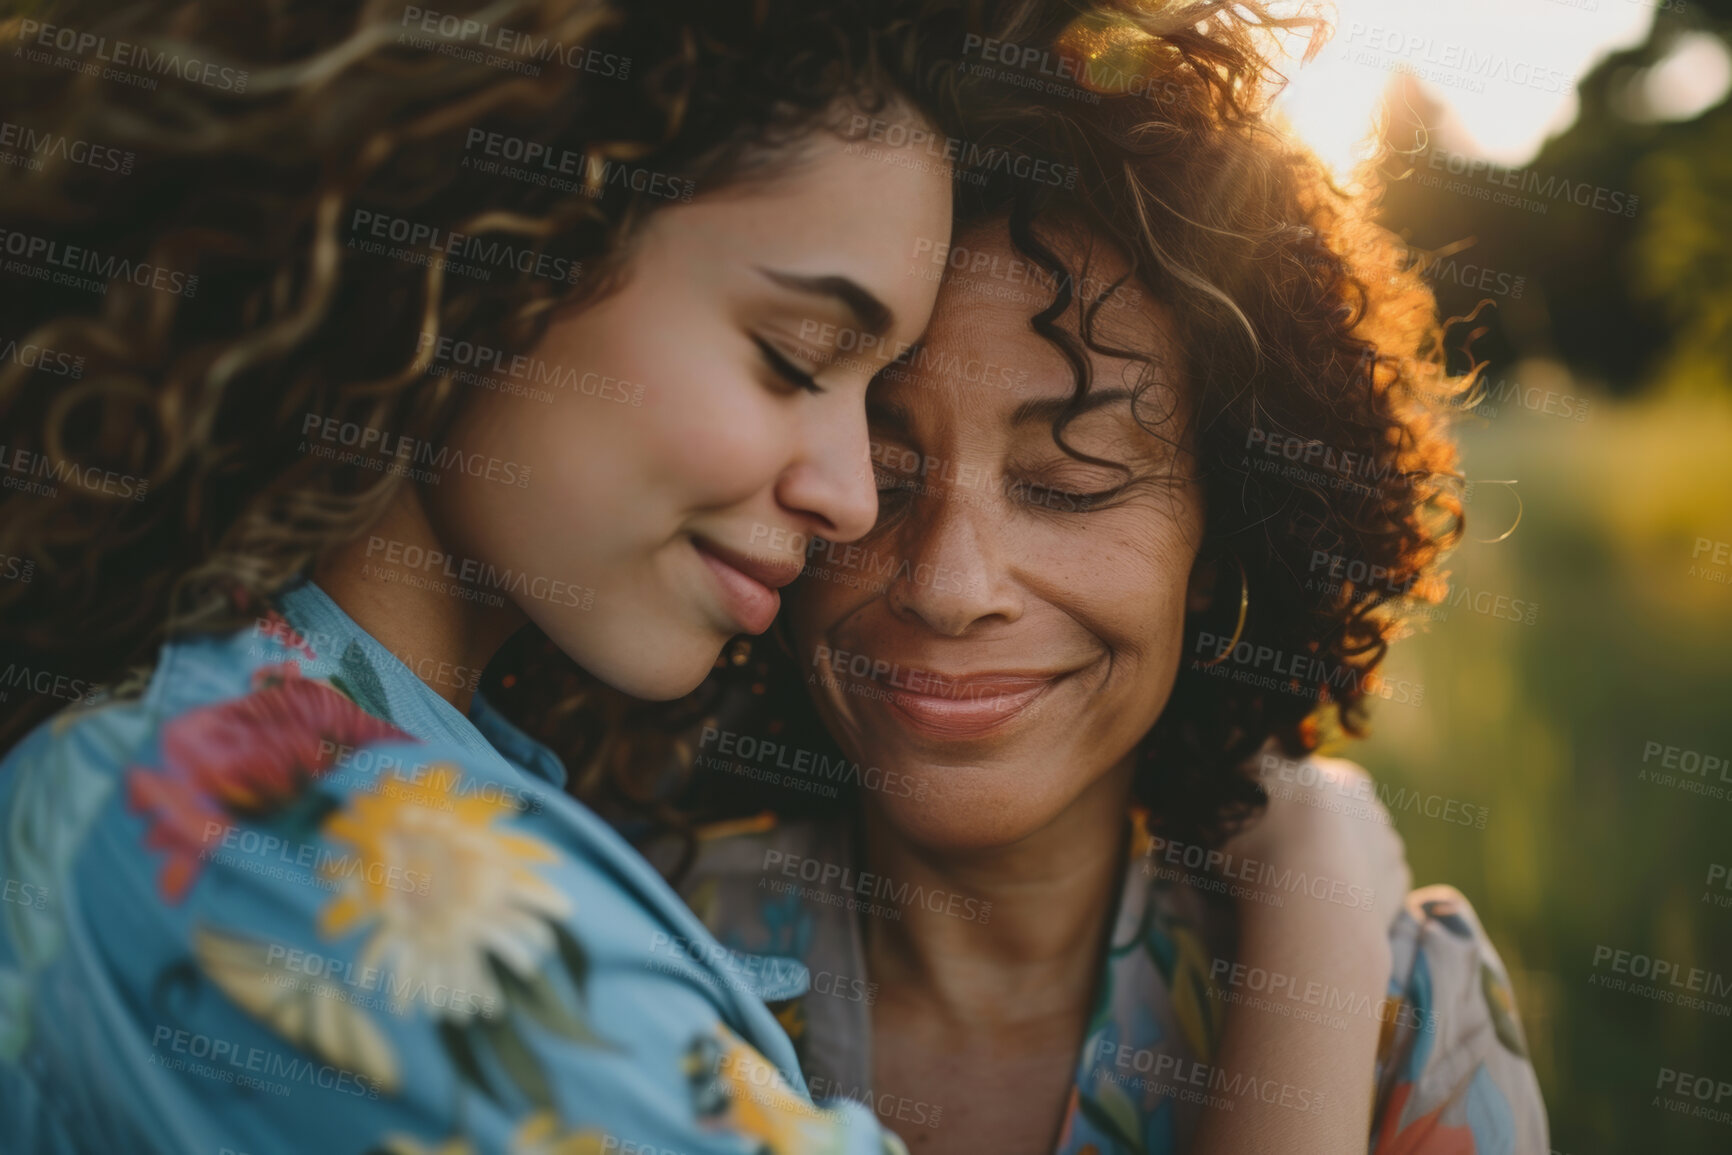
<point x="1454" y="1058"/>
<point x="765" y="886"/>
<point x="271" y="902"/>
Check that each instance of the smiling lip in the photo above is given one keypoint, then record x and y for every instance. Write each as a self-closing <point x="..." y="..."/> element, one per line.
<point x="748" y="584"/>
<point x="961" y="708"/>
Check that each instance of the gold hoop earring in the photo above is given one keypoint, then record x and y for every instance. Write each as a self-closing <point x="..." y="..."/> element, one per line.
<point x="1244" y="605"/>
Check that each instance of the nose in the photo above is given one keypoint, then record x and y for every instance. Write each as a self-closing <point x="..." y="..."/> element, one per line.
<point x="957" y="574"/>
<point x="830" y="481"/>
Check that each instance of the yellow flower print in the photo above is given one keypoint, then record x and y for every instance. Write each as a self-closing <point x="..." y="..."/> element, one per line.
<point x="740" y="1090"/>
<point x="540" y="1135"/>
<point x="451" y="894"/>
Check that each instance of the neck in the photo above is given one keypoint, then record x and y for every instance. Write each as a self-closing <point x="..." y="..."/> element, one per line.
<point x="446" y="639"/>
<point x="1052" y="895"/>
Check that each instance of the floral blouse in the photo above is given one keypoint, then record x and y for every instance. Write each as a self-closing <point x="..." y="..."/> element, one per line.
<point x="288" y="899"/>
<point x="1452" y="1075"/>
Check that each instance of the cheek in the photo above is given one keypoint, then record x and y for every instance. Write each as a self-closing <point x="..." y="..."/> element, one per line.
<point x="1125" y="582"/>
<point x="705" y="431"/>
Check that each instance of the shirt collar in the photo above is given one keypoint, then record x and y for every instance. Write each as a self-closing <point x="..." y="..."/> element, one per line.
<point x="341" y="648"/>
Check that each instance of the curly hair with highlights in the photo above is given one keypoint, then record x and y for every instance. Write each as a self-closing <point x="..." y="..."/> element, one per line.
<point x="200" y="271"/>
<point x="1320" y="395"/>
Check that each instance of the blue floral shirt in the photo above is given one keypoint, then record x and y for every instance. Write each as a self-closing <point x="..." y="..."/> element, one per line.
<point x="285" y="898"/>
<point x="1452" y="1074"/>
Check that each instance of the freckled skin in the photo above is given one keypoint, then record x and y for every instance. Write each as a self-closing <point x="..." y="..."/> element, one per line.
<point x="1100" y="595"/>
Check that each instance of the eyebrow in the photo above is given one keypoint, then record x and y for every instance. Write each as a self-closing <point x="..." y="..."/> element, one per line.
<point x="1051" y="408"/>
<point x="872" y="315"/>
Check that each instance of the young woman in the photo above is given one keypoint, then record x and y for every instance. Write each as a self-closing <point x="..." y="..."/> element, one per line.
<point x="388" y="331"/>
<point x="1090" y="639"/>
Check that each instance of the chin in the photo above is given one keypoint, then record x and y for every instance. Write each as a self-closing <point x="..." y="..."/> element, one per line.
<point x="962" y="815"/>
<point x="653" y="665"/>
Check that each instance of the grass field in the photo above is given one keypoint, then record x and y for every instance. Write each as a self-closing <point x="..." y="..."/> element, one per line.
<point x="1588" y="850"/>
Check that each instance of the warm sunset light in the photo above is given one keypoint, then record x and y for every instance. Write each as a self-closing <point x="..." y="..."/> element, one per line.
<point x="1504" y="96"/>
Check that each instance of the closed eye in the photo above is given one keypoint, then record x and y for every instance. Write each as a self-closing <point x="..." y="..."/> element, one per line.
<point x="1049" y="497"/>
<point x="785" y="368"/>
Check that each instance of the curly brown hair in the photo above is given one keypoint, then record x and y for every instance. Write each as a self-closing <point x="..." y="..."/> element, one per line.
<point x="1320" y="390"/>
<point x="174" y="307"/>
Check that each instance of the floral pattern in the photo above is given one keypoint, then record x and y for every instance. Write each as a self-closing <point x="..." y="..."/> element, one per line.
<point x="295" y="901"/>
<point x="245" y="757"/>
<point x="449" y="895"/>
<point x="1158" y="1003"/>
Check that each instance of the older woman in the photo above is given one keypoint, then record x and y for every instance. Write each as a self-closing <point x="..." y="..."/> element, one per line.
<point x="1009" y="950"/>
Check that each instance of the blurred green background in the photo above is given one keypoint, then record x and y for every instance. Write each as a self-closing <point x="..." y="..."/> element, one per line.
<point x="1546" y="724"/>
